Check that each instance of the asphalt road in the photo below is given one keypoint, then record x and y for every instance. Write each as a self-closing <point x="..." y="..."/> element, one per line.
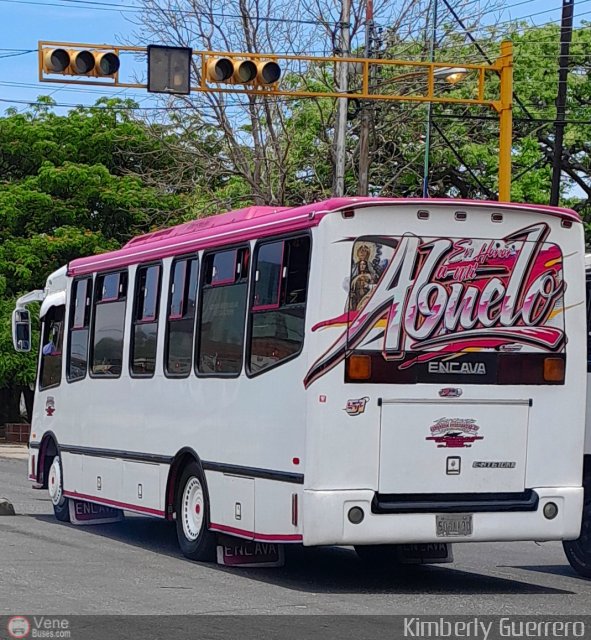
<point x="135" y="568"/>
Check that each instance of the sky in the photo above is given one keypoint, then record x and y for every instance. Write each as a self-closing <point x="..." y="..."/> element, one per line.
<point x="24" y="22"/>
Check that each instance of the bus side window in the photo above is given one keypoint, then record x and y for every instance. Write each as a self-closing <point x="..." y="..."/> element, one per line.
<point x="51" y="348"/>
<point x="278" y="311"/>
<point x="145" y="321"/>
<point x="79" y="327"/>
<point x="109" y="324"/>
<point x="180" y="325"/>
<point x="222" y="312"/>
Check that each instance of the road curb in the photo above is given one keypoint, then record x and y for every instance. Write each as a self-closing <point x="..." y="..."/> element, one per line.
<point x="14" y="451"/>
<point x="6" y="508"/>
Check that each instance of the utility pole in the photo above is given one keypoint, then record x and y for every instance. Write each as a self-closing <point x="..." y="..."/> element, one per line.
<point x="566" y="33"/>
<point x="429" y="109"/>
<point x="340" y="138"/>
<point x="363" y="182"/>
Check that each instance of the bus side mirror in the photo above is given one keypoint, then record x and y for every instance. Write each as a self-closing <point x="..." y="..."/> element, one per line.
<point x="21" y="330"/>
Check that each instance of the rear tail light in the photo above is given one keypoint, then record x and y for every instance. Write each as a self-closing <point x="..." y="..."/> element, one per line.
<point x="530" y="368"/>
<point x="554" y="370"/>
<point x="359" y="367"/>
<point x="518" y="368"/>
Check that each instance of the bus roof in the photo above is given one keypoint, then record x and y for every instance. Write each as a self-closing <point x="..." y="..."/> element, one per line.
<point x="259" y="222"/>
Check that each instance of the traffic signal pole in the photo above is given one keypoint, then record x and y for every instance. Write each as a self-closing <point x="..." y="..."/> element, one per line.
<point x="365" y="120"/>
<point x="566" y="34"/>
<point x="505" y="110"/>
<point x="260" y="74"/>
<point x="340" y="138"/>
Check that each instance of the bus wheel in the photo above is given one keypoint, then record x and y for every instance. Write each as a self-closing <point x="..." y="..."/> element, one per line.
<point x="578" y="552"/>
<point x="55" y="485"/>
<point x="196" y="541"/>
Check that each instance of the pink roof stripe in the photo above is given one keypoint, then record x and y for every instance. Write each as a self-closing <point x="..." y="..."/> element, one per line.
<point x="260" y="222"/>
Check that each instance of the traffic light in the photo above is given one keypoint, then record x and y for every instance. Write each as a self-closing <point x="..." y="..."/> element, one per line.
<point x="246" y="71"/>
<point x="80" y="62"/>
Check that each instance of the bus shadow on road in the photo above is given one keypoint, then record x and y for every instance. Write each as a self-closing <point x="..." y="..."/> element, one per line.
<point x="323" y="569"/>
<point x="564" y="570"/>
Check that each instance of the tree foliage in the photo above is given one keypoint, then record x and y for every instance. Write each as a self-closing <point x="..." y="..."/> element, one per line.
<point x="67" y="190"/>
<point x="85" y="182"/>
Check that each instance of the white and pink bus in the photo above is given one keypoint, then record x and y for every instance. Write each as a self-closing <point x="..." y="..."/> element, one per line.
<point x="360" y="371"/>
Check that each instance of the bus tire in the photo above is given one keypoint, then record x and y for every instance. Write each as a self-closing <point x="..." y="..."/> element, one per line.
<point x="55" y="486"/>
<point x="196" y="541"/>
<point x="578" y="552"/>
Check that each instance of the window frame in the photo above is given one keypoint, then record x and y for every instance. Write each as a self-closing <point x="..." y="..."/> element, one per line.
<point x="108" y="273"/>
<point x="251" y="310"/>
<point x="72" y="327"/>
<point x="39" y="386"/>
<point x="202" y="276"/>
<point x="225" y="281"/>
<point x="143" y="321"/>
<point x="276" y="305"/>
<point x="95" y="303"/>
<point x="176" y="259"/>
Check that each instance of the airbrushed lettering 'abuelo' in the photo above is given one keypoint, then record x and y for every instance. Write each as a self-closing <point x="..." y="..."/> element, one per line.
<point x="443" y="296"/>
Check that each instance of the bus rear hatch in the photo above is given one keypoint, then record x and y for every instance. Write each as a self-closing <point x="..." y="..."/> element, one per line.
<point x="453" y="445"/>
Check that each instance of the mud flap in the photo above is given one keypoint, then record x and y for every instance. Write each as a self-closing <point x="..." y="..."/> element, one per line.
<point x="234" y="552"/>
<point x="84" y="513"/>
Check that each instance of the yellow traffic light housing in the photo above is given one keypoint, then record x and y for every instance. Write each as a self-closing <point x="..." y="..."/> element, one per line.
<point x="91" y="63"/>
<point x="219" y="69"/>
<point x="81" y="62"/>
<point x="106" y="64"/>
<point x="55" y="60"/>
<point x="242" y="71"/>
<point x="245" y="71"/>
<point x="268" y="72"/>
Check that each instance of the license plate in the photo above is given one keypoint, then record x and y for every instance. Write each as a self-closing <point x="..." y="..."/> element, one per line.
<point x="450" y="526"/>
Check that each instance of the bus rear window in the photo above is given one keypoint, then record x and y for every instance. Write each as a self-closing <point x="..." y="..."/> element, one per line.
<point x="464" y="309"/>
<point x="278" y="311"/>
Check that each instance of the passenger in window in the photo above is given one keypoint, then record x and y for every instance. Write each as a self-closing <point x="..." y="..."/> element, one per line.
<point x="51" y="348"/>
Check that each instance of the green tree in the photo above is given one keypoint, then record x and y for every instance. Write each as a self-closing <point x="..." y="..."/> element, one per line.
<point x="70" y="187"/>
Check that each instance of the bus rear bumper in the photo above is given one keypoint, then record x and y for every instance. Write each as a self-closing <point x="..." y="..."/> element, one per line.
<point x="326" y="521"/>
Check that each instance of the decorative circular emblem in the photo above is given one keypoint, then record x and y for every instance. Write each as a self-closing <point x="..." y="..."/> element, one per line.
<point x="18" y="627"/>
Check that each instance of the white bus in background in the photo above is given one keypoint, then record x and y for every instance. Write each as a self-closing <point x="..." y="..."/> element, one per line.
<point x="360" y="371"/>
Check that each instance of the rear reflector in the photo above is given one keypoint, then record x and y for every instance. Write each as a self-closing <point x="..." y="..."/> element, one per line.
<point x="554" y="370"/>
<point x="359" y="367"/>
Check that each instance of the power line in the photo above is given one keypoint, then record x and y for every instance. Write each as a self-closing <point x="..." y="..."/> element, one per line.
<point x="16" y="52"/>
<point x="121" y="8"/>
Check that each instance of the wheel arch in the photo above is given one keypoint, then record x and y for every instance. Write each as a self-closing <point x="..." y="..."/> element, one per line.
<point x="183" y="457"/>
<point x="587" y="469"/>
<point x="48" y="449"/>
